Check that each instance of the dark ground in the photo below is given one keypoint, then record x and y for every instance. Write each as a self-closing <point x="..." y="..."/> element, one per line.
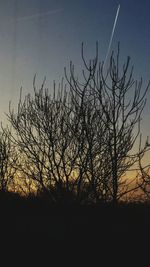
<point x="34" y="232"/>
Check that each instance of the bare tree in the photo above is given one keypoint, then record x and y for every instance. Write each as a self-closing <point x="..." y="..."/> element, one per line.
<point x="118" y="101"/>
<point x="45" y="141"/>
<point x="143" y="172"/>
<point x="86" y="126"/>
<point x="7" y="160"/>
<point x="79" y="142"/>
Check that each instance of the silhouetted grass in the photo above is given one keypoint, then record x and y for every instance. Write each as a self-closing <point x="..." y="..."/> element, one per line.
<point x="33" y="228"/>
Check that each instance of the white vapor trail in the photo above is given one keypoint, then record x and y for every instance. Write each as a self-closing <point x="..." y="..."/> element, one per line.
<point x="112" y="34"/>
<point x="38" y="15"/>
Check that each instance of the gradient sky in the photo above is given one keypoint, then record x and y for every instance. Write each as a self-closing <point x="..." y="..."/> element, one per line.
<point x="42" y="36"/>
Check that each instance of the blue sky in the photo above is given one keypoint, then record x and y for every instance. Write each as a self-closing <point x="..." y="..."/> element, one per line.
<point x="42" y="36"/>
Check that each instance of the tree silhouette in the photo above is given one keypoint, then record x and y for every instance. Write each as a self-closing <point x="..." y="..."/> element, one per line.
<point x="143" y="173"/>
<point x="118" y="101"/>
<point x="7" y="161"/>
<point x="77" y="144"/>
<point x="45" y="141"/>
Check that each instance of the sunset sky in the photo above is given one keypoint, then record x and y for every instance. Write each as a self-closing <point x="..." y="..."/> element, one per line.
<point x="42" y="36"/>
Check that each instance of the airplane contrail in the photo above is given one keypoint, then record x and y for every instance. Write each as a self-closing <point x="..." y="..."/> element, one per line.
<point x="112" y="34"/>
<point x="38" y="15"/>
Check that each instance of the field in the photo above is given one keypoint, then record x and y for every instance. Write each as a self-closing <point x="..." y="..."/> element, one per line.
<point x="33" y="231"/>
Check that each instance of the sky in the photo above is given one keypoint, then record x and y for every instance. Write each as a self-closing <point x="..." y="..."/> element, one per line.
<point x="42" y="36"/>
